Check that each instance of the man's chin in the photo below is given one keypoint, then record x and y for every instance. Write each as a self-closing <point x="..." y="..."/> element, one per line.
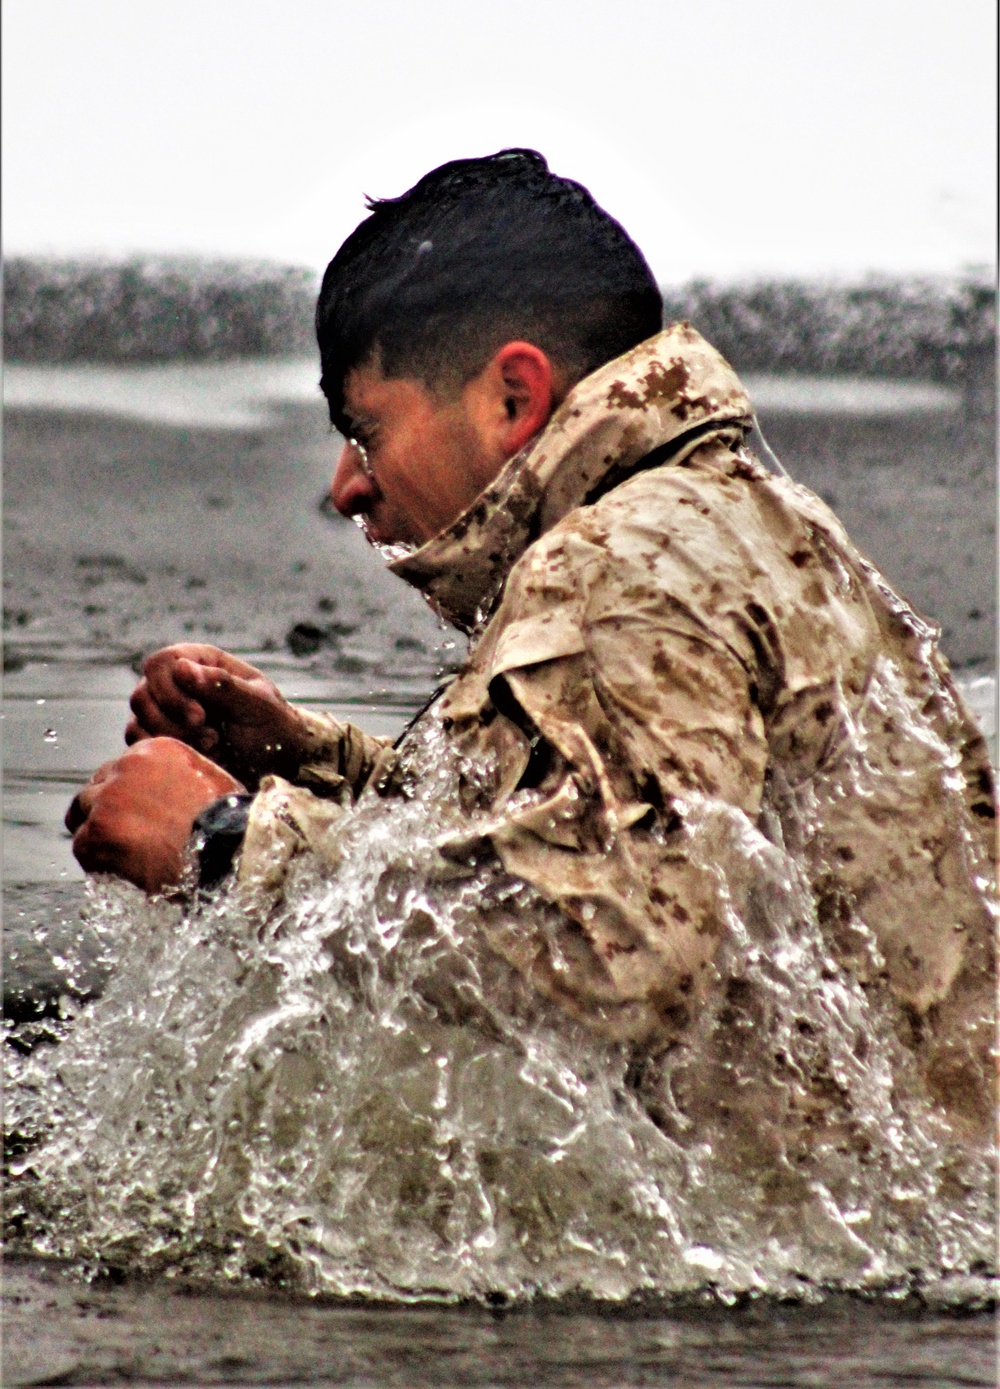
<point x="377" y="535"/>
<point x="386" y="537"/>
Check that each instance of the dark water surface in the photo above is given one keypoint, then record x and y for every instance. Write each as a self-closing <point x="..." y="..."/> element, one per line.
<point x="59" y="1330"/>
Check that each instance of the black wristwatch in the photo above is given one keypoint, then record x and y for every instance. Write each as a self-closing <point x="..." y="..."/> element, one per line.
<point x="219" y="831"/>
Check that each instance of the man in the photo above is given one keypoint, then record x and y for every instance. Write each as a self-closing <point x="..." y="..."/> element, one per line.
<point x="674" y="654"/>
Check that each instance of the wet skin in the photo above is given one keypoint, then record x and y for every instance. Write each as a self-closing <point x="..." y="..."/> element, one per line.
<point x="134" y="816"/>
<point x="204" y="723"/>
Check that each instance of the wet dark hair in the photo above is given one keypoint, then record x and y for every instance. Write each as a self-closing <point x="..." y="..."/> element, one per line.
<point x="480" y="252"/>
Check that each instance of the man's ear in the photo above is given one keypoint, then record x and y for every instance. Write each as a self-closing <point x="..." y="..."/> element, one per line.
<point x="515" y="395"/>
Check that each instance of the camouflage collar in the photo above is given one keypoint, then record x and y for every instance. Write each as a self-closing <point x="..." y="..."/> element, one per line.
<point x="668" y="387"/>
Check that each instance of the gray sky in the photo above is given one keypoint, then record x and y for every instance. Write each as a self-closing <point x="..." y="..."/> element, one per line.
<point x="730" y="136"/>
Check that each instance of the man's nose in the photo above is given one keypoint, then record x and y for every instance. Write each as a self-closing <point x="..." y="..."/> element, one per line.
<point x="353" y="488"/>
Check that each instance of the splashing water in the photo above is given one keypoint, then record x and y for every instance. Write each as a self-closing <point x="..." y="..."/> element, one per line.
<point x="388" y="552"/>
<point x="350" y="1094"/>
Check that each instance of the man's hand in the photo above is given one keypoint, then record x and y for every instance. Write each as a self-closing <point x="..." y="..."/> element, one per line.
<point x="223" y="707"/>
<point x="134" y="816"/>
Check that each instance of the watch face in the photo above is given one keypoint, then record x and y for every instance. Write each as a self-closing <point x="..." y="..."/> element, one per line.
<point x="218" y="834"/>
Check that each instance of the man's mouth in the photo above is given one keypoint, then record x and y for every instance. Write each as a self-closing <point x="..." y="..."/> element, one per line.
<point x="368" y="528"/>
<point x="389" y="549"/>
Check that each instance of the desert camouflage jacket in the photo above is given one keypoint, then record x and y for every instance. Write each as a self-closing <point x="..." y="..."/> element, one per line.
<point x="677" y="657"/>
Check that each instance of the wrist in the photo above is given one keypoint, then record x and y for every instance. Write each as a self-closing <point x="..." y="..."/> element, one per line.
<point x="218" y="832"/>
<point x="294" y="746"/>
<point x="275" y="747"/>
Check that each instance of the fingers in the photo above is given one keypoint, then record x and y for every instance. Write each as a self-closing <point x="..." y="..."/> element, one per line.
<point x="199" y="678"/>
<point x="217" y="690"/>
<point x="148" y="719"/>
<point x="160" y="706"/>
<point x="151" y="867"/>
<point x="134" y="816"/>
<point x="221" y="706"/>
<point x="79" y="808"/>
<point x="198" y="654"/>
<point x="90" y="850"/>
<point x="169" y="700"/>
<point x="94" y="853"/>
<point x="223" y="698"/>
<point x="223" y="660"/>
<point x="232" y="702"/>
<point x="83" y="802"/>
<point x="198" y="732"/>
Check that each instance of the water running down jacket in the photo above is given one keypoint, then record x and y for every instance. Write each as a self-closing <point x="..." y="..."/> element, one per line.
<point x="662" y="630"/>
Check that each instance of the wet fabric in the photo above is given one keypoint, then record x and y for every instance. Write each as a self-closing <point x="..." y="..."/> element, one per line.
<point x="659" y="627"/>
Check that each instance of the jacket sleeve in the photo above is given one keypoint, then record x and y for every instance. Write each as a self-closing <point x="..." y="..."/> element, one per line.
<point x="340" y="760"/>
<point x="656" y="756"/>
<point x="287" y="818"/>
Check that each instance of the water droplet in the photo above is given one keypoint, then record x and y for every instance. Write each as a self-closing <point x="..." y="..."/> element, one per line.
<point x="51" y="735"/>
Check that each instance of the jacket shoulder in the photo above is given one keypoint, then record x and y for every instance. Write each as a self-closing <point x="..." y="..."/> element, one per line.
<point x="734" y="561"/>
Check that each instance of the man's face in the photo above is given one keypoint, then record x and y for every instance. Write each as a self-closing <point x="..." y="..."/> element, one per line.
<point x="415" y="462"/>
<point x="418" y="459"/>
